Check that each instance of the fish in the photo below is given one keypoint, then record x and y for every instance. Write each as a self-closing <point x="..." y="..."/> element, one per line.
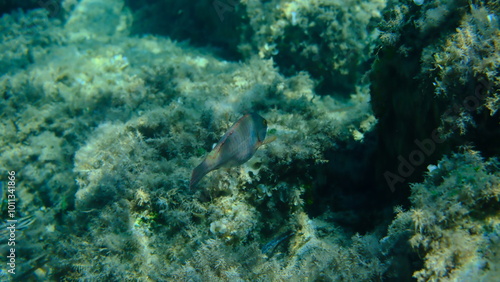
<point x="21" y="224"/>
<point x="235" y="148"/>
<point x="269" y="248"/>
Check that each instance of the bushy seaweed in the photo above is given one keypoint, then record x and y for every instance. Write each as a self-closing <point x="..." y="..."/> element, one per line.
<point x="103" y="130"/>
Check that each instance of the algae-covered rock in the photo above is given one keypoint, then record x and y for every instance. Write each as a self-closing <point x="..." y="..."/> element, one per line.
<point x="455" y="220"/>
<point x="332" y="40"/>
<point x="104" y="128"/>
<point x="435" y="74"/>
<point x="98" y="19"/>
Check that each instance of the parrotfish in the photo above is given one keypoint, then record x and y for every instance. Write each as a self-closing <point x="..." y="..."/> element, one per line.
<point x="236" y="147"/>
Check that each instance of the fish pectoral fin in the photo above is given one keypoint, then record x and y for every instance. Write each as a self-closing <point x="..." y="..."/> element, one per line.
<point x="269" y="140"/>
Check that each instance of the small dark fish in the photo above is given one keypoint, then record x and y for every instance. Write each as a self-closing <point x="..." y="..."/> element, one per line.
<point x="269" y="248"/>
<point x="234" y="148"/>
<point x="21" y="224"/>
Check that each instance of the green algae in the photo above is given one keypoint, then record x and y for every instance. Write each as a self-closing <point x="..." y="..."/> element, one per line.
<point x="104" y="128"/>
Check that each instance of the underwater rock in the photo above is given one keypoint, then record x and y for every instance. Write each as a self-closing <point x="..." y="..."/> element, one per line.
<point x="434" y="75"/>
<point x="99" y="19"/>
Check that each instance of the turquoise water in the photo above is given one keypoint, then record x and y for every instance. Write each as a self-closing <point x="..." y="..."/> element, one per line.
<point x="379" y="161"/>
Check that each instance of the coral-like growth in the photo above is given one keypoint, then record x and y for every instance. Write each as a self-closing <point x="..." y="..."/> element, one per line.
<point x="467" y="68"/>
<point x="317" y="251"/>
<point x="235" y="221"/>
<point x="436" y="73"/>
<point x="329" y="39"/>
<point x="455" y="218"/>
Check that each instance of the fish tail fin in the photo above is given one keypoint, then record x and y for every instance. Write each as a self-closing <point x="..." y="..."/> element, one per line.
<point x="198" y="173"/>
